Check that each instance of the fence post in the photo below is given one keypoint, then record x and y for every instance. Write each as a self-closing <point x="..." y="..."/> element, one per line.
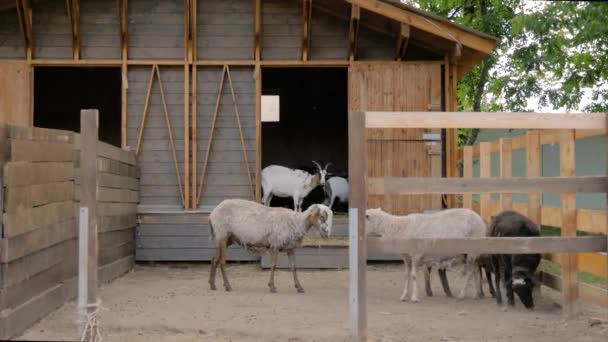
<point x="506" y="168"/>
<point x="533" y="170"/>
<point x="485" y="171"/>
<point x="89" y="124"/>
<point x="356" y="224"/>
<point x="568" y="212"/>
<point x="467" y="172"/>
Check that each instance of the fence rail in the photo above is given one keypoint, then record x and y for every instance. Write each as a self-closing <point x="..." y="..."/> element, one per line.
<point x="567" y="184"/>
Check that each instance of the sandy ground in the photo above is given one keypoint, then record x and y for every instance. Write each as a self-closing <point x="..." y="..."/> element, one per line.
<point x="174" y="303"/>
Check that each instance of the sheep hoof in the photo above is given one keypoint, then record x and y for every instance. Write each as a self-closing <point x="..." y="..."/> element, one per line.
<point x="403" y="298"/>
<point x="415" y="300"/>
<point x="273" y="289"/>
<point x="300" y="290"/>
<point x="228" y="288"/>
<point x="212" y="286"/>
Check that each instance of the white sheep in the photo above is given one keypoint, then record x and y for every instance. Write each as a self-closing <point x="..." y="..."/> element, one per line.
<point x="263" y="229"/>
<point x="450" y="223"/>
<point x="285" y="182"/>
<point x="335" y="187"/>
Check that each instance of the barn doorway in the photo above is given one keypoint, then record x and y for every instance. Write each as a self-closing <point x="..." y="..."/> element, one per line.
<point x="312" y="123"/>
<point x="60" y="94"/>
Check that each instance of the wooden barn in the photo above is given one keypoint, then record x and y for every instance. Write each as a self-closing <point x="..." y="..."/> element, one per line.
<point x="207" y="93"/>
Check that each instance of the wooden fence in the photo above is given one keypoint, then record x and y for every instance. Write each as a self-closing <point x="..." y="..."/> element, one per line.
<point x="567" y="184"/>
<point x="590" y="221"/>
<point x="39" y="242"/>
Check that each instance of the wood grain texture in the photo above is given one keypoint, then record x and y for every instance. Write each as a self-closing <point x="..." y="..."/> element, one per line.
<point x="485" y="171"/>
<point x="467" y="160"/>
<point x="15" y="87"/>
<point x="568" y="226"/>
<point x="506" y="169"/>
<point x="533" y="148"/>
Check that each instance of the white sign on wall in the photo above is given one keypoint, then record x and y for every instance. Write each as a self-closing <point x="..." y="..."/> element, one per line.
<point x="270" y="108"/>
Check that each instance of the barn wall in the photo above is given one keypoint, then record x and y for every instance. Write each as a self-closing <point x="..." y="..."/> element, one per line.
<point x="226" y="172"/>
<point x="51" y="30"/>
<point x="39" y="240"/>
<point x="11" y="41"/>
<point x="100" y="37"/>
<point x="281" y="29"/>
<point x="156" y="29"/>
<point x="225" y="29"/>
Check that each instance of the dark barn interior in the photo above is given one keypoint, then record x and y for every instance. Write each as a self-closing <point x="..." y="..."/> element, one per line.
<point x="313" y="123"/>
<point x="60" y="94"/>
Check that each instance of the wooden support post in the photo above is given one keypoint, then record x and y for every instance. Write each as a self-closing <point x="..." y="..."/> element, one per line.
<point x="485" y="171"/>
<point x="258" y="133"/>
<point x="89" y="128"/>
<point x="533" y="170"/>
<point x="144" y="115"/>
<point x="568" y="212"/>
<point x="306" y="27"/>
<point x="24" y="12"/>
<point x="122" y="13"/>
<point x="186" y="136"/>
<point x="353" y="31"/>
<point x="194" y="118"/>
<point x="3" y="157"/>
<point x="356" y="218"/>
<point x="402" y="40"/>
<point x="467" y="172"/>
<point x="506" y="167"/>
<point x="257" y="30"/>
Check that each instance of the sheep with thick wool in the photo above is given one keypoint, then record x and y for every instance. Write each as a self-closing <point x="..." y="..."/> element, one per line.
<point x="260" y="229"/>
<point x="450" y="223"/>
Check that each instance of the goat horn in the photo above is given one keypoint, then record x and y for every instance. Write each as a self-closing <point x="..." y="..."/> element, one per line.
<point x="319" y="166"/>
<point x="326" y="166"/>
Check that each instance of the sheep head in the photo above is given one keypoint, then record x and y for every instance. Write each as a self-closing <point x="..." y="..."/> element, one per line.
<point x="320" y="217"/>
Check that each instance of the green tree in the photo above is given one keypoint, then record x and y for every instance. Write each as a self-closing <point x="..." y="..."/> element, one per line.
<point x="557" y="53"/>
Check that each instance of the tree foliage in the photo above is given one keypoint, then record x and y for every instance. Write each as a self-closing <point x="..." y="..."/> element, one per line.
<point x="554" y="51"/>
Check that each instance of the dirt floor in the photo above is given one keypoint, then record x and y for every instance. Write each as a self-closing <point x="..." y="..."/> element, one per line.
<point x="174" y="303"/>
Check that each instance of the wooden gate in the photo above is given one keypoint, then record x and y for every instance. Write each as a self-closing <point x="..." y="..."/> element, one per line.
<point x="399" y="152"/>
<point x="15" y="94"/>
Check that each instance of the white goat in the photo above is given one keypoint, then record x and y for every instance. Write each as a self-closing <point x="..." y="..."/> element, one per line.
<point x="335" y="187"/>
<point x="263" y="229"/>
<point x="450" y="223"/>
<point x="285" y="182"/>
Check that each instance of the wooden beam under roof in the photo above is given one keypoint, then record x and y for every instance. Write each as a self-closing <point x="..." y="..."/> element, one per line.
<point x="306" y="27"/>
<point x="257" y="30"/>
<point x="435" y="27"/>
<point x="402" y="41"/>
<point x="353" y="31"/>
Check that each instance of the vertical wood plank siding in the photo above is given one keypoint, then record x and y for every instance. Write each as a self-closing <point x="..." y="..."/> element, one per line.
<point x="158" y="178"/>
<point x="226" y="173"/>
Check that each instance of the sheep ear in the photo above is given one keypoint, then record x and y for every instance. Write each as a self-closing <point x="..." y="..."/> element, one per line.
<point x="366" y="216"/>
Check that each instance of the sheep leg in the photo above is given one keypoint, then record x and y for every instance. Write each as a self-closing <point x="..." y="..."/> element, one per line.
<point x="292" y="264"/>
<point x="481" y="294"/>
<point x="223" y="246"/>
<point x="469" y="271"/>
<point x="496" y="269"/>
<point x="490" y="285"/>
<point x="427" y="282"/>
<point x="213" y="269"/>
<point x="508" y="275"/>
<point x="406" y="282"/>
<point x="413" y="271"/>
<point x="444" y="282"/>
<point x="296" y="207"/>
<point x="273" y="259"/>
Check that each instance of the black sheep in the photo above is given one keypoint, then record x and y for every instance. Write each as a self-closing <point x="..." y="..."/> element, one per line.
<point x="518" y="269"/>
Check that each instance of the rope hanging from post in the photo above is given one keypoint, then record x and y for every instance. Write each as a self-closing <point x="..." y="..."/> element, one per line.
<point x="91" y="331"/>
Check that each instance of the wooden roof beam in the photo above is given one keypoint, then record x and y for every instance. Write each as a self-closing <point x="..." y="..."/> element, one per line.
<point x="455" y="54"/>
<point x="73" y="10"/>
<point x="122" y="15"/>
<point x="257" y="29"/>
<point x="306" y="27"/>
<point x="402" y="41"/>
<point x="353" y="31"/>
<point x="439" y="29"/>
<point x="24" y="13"/>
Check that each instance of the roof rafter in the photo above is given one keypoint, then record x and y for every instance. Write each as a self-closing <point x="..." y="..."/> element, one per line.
<point x="306" y="27"/>
<point x="353" y="31"/>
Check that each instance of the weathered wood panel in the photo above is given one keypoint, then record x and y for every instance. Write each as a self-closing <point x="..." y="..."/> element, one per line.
<point x="27" y="220"/>
<point x="225" y="29"/>
<point x="99" y="29"/>
<point x="281" y="29"/>
<point x="15" y="87"/>
<point x="51" y="29"/>
<point x="373" y="45"/>
<point x="10" y="36"/>
<point x="191" y="254"/>
<point x="156" y="30"/>
<point x="22" y="173"/>
<point x="226" y="175"/>
<point x="38" y="151"/>
<point x="397" y="152"/>
<point x="155" y="156"/>
<point x="35" y="240"/>
<point x="329" y="36"/>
